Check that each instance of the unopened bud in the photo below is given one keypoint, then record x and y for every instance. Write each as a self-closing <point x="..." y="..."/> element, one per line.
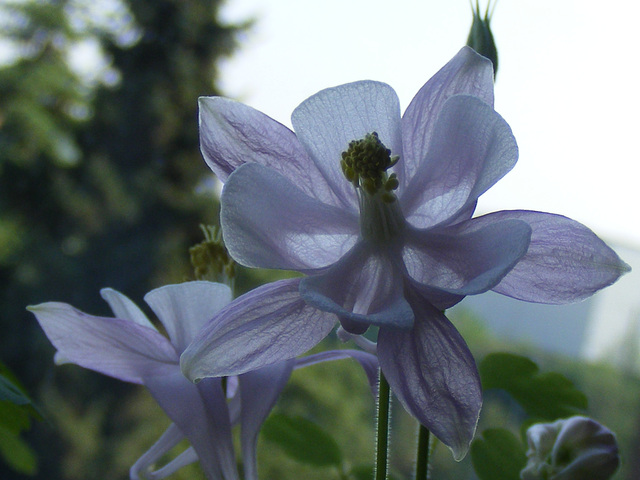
<point x="480" y="37"/>
<point x="577" y="448"/>
<point x="210" y="258"/>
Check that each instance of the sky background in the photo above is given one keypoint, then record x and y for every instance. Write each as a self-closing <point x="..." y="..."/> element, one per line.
<point x="567" y="85"/>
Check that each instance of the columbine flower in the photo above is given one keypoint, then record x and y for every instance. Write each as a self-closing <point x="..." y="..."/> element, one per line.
<point x="130" y="348"/>
<point x="377" y="210"/>
<point x="571" y="449"/>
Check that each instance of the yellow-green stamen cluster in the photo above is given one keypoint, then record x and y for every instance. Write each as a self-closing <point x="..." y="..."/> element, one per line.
<point x="365" y="164"/>
<point x="210" y="259"/>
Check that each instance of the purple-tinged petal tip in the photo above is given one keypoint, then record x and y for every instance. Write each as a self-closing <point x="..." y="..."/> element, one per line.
<point x="434" y="375"/>
<point x="112" y="346"/>
<point x="565" y="262"/>
<point x="267" y="325"/>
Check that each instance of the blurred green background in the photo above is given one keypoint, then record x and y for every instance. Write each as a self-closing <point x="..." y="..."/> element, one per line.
<point x="102" y="184"/>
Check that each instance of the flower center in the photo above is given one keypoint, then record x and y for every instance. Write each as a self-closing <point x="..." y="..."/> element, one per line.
<point x="365" y="164"/>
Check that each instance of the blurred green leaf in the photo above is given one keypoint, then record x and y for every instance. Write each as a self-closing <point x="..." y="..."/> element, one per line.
<point x="16" y="411"/>
<point x="302" y="440"/>
<point x="16" y="453"/>
<point x="498" y="455"/>
<point x="366" y="472"/>
<point x="544" y="396"/>
<point x="14" y="418"/>
<point x="11" y="393"/>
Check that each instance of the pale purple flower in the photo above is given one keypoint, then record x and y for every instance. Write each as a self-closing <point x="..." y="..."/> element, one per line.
<point x="576" y="448"/>
<point x="390" y="243"/>
<point x="130" y="348"/>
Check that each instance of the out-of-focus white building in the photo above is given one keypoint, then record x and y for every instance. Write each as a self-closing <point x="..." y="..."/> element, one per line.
<point x="605" y="327"/>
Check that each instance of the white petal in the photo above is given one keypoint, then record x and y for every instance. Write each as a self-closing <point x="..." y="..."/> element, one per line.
<point x="169" y="439"/>
<point x="468" y="258"/>
<point x="365" y="286"/>
<point x="200" y="412"/>
<point x="187" y="457"/>
<point x="326" y="122"/>
<point x="472" y="149"/>
<point x="466" y="74"/>
<point x="432" y="372"/>
<point x="124" y="308"/>
<point x="267" y="222"/>
<point x="262" y="327"/>
<point x="259" y="391"/>
<point x="115" y="347"/>
<point x="232" y="134"/>
<point x="186" y="307"/>
<point x="565" y="262"/>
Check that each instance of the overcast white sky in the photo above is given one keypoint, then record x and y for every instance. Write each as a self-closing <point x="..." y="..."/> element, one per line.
<point x="567" y="85"/>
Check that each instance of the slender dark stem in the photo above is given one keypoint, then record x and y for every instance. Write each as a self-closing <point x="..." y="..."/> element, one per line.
<point x="422" y="458"/>
<point x="382" y="439"/>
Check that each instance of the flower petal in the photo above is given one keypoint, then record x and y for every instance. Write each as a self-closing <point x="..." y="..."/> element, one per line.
<point x="200" y="412"/>
<point x="364" y="287"/>
<point x="232" y="134"/>
<point x="124" y="308"/>
<point x="269" y="223"/>
<point x="262" y="327"/>
<point x="326" y="122"/>
<point x="367" y="361"/>
<point x="466" y="74"/>
<point x="187" y="457"/>
<point x="472" y="148"/>
<point x="259" y="391"/>
<point x="186" y="307"/>
<point x="364" y="343"/>
<point x="114" y="347"/>
<point x="432" y="372"/>
<point x="169" y="439"/>
<point x="565" y="261"/>
<point x="467" y="258"/>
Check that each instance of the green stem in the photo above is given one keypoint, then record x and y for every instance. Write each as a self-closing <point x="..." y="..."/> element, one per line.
<point x="422" y="457"/>
<point x="382" y="440"/>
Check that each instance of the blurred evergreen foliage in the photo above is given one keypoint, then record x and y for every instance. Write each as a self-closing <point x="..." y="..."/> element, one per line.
<point x="101" y="178"/>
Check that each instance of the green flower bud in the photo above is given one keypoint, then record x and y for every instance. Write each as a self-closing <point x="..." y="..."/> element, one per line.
<point x="210" y="259"/>
<point x="480" y="37"/>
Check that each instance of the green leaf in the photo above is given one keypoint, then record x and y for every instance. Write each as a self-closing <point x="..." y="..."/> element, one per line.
<point x="544" y="396"/>
<point x="16" y="453"/>
<point x="302" y="440"/>
<point x="498" y="455"/>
